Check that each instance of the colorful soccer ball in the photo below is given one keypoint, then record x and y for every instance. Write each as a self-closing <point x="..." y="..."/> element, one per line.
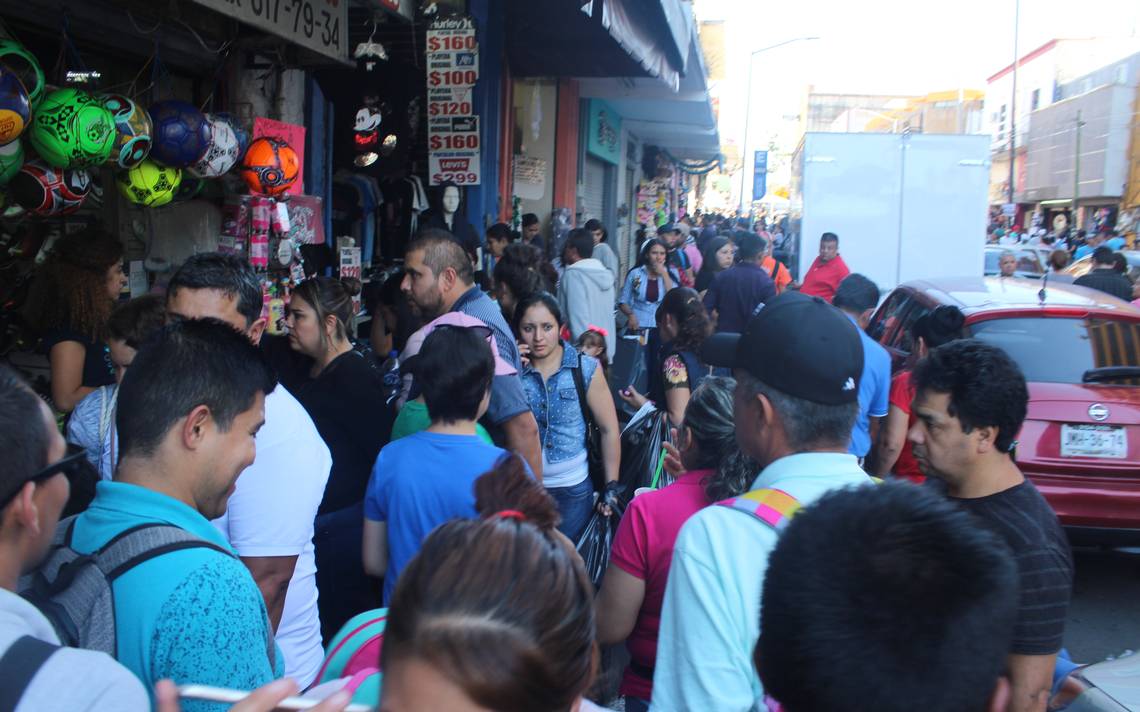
<point x="223" y="151"/>
<point x="71" y="129"/>
<point x="132" y="131"/>
<point x="149" y="184"/>
<point x="15" y="108"/>
<point x="23" y="63"/>
<point x="270" y="166"/>
<point x="43" y="189"/>
<point x="11" y="160"/>
<point x="243" y="136"/>
<point x="181" y="134"/>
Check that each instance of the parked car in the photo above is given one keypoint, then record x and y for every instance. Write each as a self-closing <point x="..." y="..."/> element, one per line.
<point x="1082" y="266"/>
<point x="1030" y="263"/>
<point x="1080" y="352"/>
<point x="1108" y="686"/>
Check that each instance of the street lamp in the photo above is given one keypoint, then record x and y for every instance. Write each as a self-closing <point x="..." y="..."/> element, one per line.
<point x="748" y="110"/>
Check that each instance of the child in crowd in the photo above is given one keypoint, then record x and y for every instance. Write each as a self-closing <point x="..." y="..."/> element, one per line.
<point x="592" y="342"/>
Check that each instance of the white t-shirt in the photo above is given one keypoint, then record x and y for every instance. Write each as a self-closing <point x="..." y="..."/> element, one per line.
<point x="271" y="513"/>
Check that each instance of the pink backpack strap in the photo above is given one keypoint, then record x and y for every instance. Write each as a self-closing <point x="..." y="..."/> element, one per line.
<point x="771" y="506"/>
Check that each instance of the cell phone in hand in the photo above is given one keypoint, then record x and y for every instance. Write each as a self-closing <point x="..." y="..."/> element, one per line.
<point x="228" y="696"/>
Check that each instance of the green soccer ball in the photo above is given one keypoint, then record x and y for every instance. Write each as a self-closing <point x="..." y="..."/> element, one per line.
<point x="149" y="184"/>
<point x="72" y="129"/>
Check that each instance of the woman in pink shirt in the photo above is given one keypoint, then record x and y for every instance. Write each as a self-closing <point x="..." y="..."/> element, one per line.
<point x="629" y="604"/>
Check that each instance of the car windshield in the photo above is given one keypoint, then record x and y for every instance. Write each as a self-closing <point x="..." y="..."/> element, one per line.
<point x="1061" y="350"/>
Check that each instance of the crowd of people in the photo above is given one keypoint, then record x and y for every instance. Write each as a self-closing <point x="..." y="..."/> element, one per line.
<point x="238" y="497"/>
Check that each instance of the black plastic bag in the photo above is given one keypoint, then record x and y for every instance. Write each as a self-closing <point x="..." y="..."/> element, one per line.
<point x="642" y="454"/>
<point x="595" y="544"/>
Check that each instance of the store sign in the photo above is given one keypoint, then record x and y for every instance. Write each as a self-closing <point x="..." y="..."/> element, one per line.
<point x="319" y="25"/>
<point x="454" y="140"/>
<point x="604" y="140"/>
<point x="760" y="175"/>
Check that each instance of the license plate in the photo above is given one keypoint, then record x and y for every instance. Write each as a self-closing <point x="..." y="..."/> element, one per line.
<point x="1093" y="441"/>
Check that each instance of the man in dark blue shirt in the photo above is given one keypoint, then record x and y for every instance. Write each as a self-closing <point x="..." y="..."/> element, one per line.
<point x="737" y="291"/>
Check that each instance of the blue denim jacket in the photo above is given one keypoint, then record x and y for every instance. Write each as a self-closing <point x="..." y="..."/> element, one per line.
<point x="555" y="405"/>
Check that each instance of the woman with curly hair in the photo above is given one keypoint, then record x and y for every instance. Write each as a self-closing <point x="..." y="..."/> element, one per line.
<point x="629" y="603"/>
<point x="71" y="303"/>
<point x="683" y="325"/>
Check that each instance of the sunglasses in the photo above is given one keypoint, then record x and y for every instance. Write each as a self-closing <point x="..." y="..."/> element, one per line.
<point x="483" y="331"/>
<point x="74" y="465"/>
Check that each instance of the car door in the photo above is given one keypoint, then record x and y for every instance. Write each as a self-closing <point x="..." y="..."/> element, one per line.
<point x="891" y="323"/>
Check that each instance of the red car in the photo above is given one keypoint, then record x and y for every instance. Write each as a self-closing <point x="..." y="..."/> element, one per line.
<point x="1080" y="352"/>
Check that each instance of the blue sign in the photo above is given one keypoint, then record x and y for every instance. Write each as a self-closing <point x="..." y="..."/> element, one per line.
<point x="760" y="175"/>
<point x="604" y="138"/>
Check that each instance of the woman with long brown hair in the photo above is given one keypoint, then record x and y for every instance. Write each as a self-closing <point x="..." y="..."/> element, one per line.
<point x="495" y="613"/>
<point x="71" y="302"/>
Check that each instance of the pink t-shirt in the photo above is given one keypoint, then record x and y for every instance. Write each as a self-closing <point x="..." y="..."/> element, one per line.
<point x="643" y="547"/>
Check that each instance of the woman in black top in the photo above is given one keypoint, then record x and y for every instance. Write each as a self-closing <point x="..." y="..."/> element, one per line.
<point x="344" y="395"/>
<point x="71" y="302"/>
<point x="718" y="256"/>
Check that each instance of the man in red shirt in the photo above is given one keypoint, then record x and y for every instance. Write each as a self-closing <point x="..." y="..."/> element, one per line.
<point x="828" y="270"/>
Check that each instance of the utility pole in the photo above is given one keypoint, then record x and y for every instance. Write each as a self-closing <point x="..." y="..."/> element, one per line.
<point x="1013" y="102"/>
<point x="1077" y="173"/>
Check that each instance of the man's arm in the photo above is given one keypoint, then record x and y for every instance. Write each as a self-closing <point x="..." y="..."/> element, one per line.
<point x="1031" y="680"/>
<point x="272" y="575"/>
<point x="890" y="441"/>
<point x="375" y="547"/>
<point x="522" y="437"/>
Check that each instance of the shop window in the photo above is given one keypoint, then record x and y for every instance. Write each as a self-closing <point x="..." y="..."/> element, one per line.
<point x="1035" y="100"/>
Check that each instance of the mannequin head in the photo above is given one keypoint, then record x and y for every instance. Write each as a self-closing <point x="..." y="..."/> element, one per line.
<point x="449" y="198"/>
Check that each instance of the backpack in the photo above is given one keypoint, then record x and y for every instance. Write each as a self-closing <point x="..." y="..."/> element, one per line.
<point x="354" y="652"/>
<point x="75" y="591"/>
<point x="23" y="659"/>
<point x="772" y="507"/>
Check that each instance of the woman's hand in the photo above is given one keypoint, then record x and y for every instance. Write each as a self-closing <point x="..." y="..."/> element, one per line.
<point x="673" y="464"/>
<point x="610" y="498"/>
<point x="630" y="395"/>
<point x="524" y="354"/>
<point x="263" y="699"/>
<point x="631" y="323"/>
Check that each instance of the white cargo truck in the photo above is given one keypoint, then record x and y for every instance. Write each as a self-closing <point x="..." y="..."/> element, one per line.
<point x="905" y="206"/>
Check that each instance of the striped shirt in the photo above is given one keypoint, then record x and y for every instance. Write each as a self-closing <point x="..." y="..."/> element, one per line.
<point x="1022" y="517"/>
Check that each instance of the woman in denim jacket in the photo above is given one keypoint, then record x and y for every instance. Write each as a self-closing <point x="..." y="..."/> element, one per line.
<point x="549" y="382"/>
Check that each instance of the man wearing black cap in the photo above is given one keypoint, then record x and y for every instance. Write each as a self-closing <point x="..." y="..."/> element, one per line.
<point x="797" y="367"/>
<point x="670" y="234"/>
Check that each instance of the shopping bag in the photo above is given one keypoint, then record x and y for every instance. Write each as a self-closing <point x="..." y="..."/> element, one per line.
<point x="595" y="543"/>
<point x="643" y="452"/>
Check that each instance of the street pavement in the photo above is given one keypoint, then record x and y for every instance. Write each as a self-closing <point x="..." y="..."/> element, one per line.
<point x="1104" y="618"/>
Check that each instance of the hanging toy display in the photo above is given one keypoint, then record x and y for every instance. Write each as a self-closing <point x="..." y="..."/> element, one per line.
<point x="11" y="159"/>
<point x="243" y="137"/>
<point x="132" y="131"/>
<point x="270" y="166"/>
<point x="42" y="189"/>
<point x="72" y="129"/>
<point x="149" y="184"/>
<point x="24" y="65"/>
<point x="181" y="134"/>
<point x="223" y="151"/>
<point x="15" y="107"/>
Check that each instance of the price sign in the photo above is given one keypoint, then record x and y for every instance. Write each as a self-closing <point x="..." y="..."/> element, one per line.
<point x="454" y="140"/>
<point x="320" y="25"/>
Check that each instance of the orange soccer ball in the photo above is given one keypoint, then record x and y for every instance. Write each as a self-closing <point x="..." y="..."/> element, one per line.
<point x="270" y="166"/>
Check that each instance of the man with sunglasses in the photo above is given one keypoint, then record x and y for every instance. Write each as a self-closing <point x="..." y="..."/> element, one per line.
<point x="37" y="673"/>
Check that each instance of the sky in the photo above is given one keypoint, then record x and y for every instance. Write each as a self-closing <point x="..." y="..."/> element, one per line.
<point x="886" y="46"/>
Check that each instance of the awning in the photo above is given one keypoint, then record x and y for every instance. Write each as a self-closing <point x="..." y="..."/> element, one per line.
<point x="680" y="121"/>
<point x="600" y="38"/>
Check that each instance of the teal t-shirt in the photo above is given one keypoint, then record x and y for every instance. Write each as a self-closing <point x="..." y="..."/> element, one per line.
<point x="414" y="417"/>
<point x="194" y="615"/>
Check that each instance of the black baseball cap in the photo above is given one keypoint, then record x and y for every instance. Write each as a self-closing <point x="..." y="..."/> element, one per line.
<point x="799" y="345"/>
<point x="667" y="228"/>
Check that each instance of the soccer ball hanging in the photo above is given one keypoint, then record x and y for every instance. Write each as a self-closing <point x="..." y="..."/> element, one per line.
<point x="132" y="131"/>
<point x="72" y="129"/>
<point x="149" y="184"/>
<point x="223" y="151"/>
<point x="45" y="190"/>
<point x="181" y="134"/>
<point x="15" y="109"/>
<point x="11" y="160"/>
<point x="270" y="166"/>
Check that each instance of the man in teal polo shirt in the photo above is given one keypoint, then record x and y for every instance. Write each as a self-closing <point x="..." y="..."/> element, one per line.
<point x="189" y="408"/>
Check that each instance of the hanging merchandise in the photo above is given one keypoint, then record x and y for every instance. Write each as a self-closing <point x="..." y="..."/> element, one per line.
<point x="292" y="136"/>
<point x="72" y="129"/>
<point x="24" y="64"/>
<point x="259" y="217"/>
<point x="133" y="131"/>
<point x="270" y="166"/>
<point x="15" y="107"/>
<point x="149" y="184"/>
<point x="222" y="153"/>
<point x="189" y="188"/>
<point x="181" y="134"/>
<point x="11" y="159"/>
<point x="243" y="137"/>
<point x="42" y="189"/>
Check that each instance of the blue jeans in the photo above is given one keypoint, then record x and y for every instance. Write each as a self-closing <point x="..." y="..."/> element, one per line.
<point x="343" y="587"/>
<point x="575" y="504"/>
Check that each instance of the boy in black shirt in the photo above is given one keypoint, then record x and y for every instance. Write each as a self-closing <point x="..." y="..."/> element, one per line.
<point x="970" y="401"/>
